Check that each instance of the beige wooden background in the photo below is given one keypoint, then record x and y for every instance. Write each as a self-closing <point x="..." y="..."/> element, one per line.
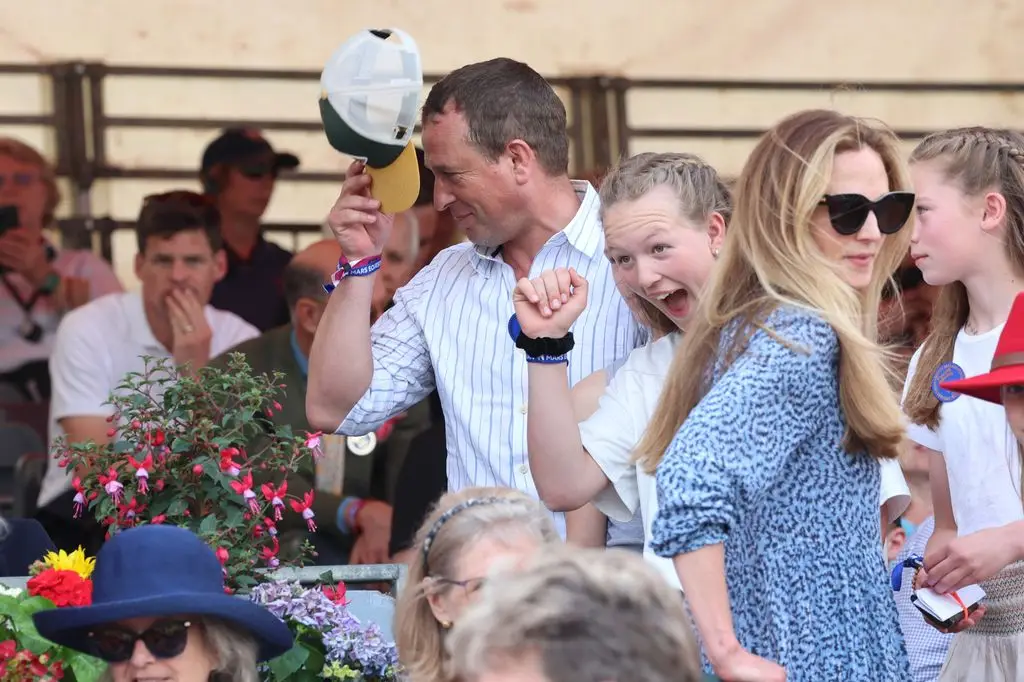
<point x="903" y="40"/>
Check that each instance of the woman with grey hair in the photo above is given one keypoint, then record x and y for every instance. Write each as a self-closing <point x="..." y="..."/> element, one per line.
<point x="583" y="615"/>
<point x="159" y="612"/>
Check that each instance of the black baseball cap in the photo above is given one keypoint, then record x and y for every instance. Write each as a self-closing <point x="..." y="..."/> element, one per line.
<point x="239" y="144"/>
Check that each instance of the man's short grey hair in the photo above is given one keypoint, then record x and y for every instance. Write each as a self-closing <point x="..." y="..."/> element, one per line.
<point x="579" y="616"/>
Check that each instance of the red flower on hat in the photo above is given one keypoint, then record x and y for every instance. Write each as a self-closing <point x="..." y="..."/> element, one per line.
<point x="62" y="587"/>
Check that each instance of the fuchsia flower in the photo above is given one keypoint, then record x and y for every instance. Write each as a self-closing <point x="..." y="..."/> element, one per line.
<point x="275" y="497"/>
<point x="304" y="509"/>
<point x="76" y="483"/>
<point x="110" y="484"/>
<point x="314" y="444"/>
<point x="243" y="487"/>
<point x="269" y="554"/>
<point x="142" y="471"/>
<point x="227" y="461"/>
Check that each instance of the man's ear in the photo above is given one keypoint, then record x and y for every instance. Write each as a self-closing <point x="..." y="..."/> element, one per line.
<point x="307" y="314"/>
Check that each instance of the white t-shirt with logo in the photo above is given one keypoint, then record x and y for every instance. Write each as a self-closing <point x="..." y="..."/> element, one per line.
<point x="982" y="461"/>
<point x="612" y="433"/>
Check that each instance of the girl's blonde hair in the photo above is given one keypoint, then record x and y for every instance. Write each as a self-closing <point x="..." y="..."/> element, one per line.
<point x="234" y="651"/>
<point x="459" y="520"/>
<point x="19" y="151"/>
<point x="770" y="259"/>
<point x="977" y="160"/>
<point x="697" y="186"/>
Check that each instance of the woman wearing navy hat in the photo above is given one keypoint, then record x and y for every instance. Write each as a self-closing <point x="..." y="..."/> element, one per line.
<point x="159" y="612"/>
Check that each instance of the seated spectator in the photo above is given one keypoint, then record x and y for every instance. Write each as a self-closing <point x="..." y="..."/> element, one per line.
<point x="159" y="612"/>
<point x="180" y="257"/>
<point x="365" y="522"/>
<point x="40" y="281"/>
<point x="238" y="171"/>
<point x="22" y="543"/>
<point x="574" y="615"/>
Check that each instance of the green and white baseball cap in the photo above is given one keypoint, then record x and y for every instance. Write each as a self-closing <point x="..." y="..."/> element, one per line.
<point x="369" y="105"/>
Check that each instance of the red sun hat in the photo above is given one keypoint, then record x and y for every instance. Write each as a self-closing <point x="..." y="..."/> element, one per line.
<point x="1007" y="363"/>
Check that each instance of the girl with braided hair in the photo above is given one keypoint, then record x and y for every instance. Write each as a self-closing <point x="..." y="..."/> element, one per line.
<point x="969" y="239"/>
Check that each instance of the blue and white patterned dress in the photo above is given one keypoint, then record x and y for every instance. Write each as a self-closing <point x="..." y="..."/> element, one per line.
<point x="759" y="466"/>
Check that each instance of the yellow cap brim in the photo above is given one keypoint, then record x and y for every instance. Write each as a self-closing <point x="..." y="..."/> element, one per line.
<point x="397" y="185"/>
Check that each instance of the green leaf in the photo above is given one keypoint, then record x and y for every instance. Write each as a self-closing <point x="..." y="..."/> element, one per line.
<point x="9" y="605"/>
<point x="289" y="662"/>
<point x="177" y="507"/>
<point x="86" y="668"/>
<point x="209" y="524"/>
<point x="36" y="604"/>
<point x="181" y="445"/>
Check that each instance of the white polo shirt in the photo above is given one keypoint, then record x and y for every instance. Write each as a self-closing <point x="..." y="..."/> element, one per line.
<point x="96" y="346"/>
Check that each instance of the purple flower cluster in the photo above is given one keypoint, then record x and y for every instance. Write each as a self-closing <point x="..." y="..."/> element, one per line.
<point x="346" y="641"/>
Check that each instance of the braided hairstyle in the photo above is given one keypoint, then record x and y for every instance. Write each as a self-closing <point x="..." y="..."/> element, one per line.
<point x="977" y="160"/>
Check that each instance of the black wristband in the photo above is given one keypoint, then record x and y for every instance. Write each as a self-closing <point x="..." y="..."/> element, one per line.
<point x="545" y="346"/>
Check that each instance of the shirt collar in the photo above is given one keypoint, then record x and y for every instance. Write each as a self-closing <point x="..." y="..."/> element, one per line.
<point x="584" y="231"/>
<point x="300" y="359"/>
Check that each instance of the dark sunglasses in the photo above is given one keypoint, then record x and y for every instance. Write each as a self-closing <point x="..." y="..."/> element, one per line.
<point x="905" y="279"/>
<point x="848" y="212"/>
<point x="116" y="644"/>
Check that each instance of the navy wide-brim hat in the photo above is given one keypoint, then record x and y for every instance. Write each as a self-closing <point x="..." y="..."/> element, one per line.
<point x="159" y="571"/>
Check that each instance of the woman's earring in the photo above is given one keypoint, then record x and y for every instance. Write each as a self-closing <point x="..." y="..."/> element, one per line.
<point x="446" y="624"/>
<point x="714" y="253"/>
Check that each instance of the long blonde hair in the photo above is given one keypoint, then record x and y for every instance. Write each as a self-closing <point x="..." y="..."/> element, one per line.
<point x="977" y="160"/>
<point x="769" y="259"/>
<point x="698" y="188"/>
<point x="457" y="521"/>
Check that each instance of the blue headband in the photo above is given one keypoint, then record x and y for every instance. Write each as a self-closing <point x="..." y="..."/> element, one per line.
<point x="443" y="519"/>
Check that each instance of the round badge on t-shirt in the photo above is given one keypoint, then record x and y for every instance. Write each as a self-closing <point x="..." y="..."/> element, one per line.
<point x="949" y="371"/>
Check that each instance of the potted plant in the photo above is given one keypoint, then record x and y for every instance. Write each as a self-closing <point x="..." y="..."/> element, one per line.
<point x="329" y="642"/>
<point x="194" y="450"/>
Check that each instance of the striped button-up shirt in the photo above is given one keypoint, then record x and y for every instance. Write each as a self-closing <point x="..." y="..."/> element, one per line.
<point x="448" y="329"/>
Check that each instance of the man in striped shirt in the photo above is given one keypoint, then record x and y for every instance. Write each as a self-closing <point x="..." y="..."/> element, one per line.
<point x="494" y="135"/>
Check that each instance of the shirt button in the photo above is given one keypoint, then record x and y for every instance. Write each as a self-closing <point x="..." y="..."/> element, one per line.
<point x="524" y="407"/>
<point x="523" y="468"/>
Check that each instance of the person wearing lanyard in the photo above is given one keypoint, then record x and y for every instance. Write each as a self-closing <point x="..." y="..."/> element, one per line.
<point x="40" y="282"/>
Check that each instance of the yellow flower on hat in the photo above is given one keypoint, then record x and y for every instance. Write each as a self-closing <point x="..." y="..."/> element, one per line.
<point x="75" y="561"/>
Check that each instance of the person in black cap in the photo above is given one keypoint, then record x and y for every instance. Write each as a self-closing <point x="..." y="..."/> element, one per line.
<point x="238" y="170"/>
